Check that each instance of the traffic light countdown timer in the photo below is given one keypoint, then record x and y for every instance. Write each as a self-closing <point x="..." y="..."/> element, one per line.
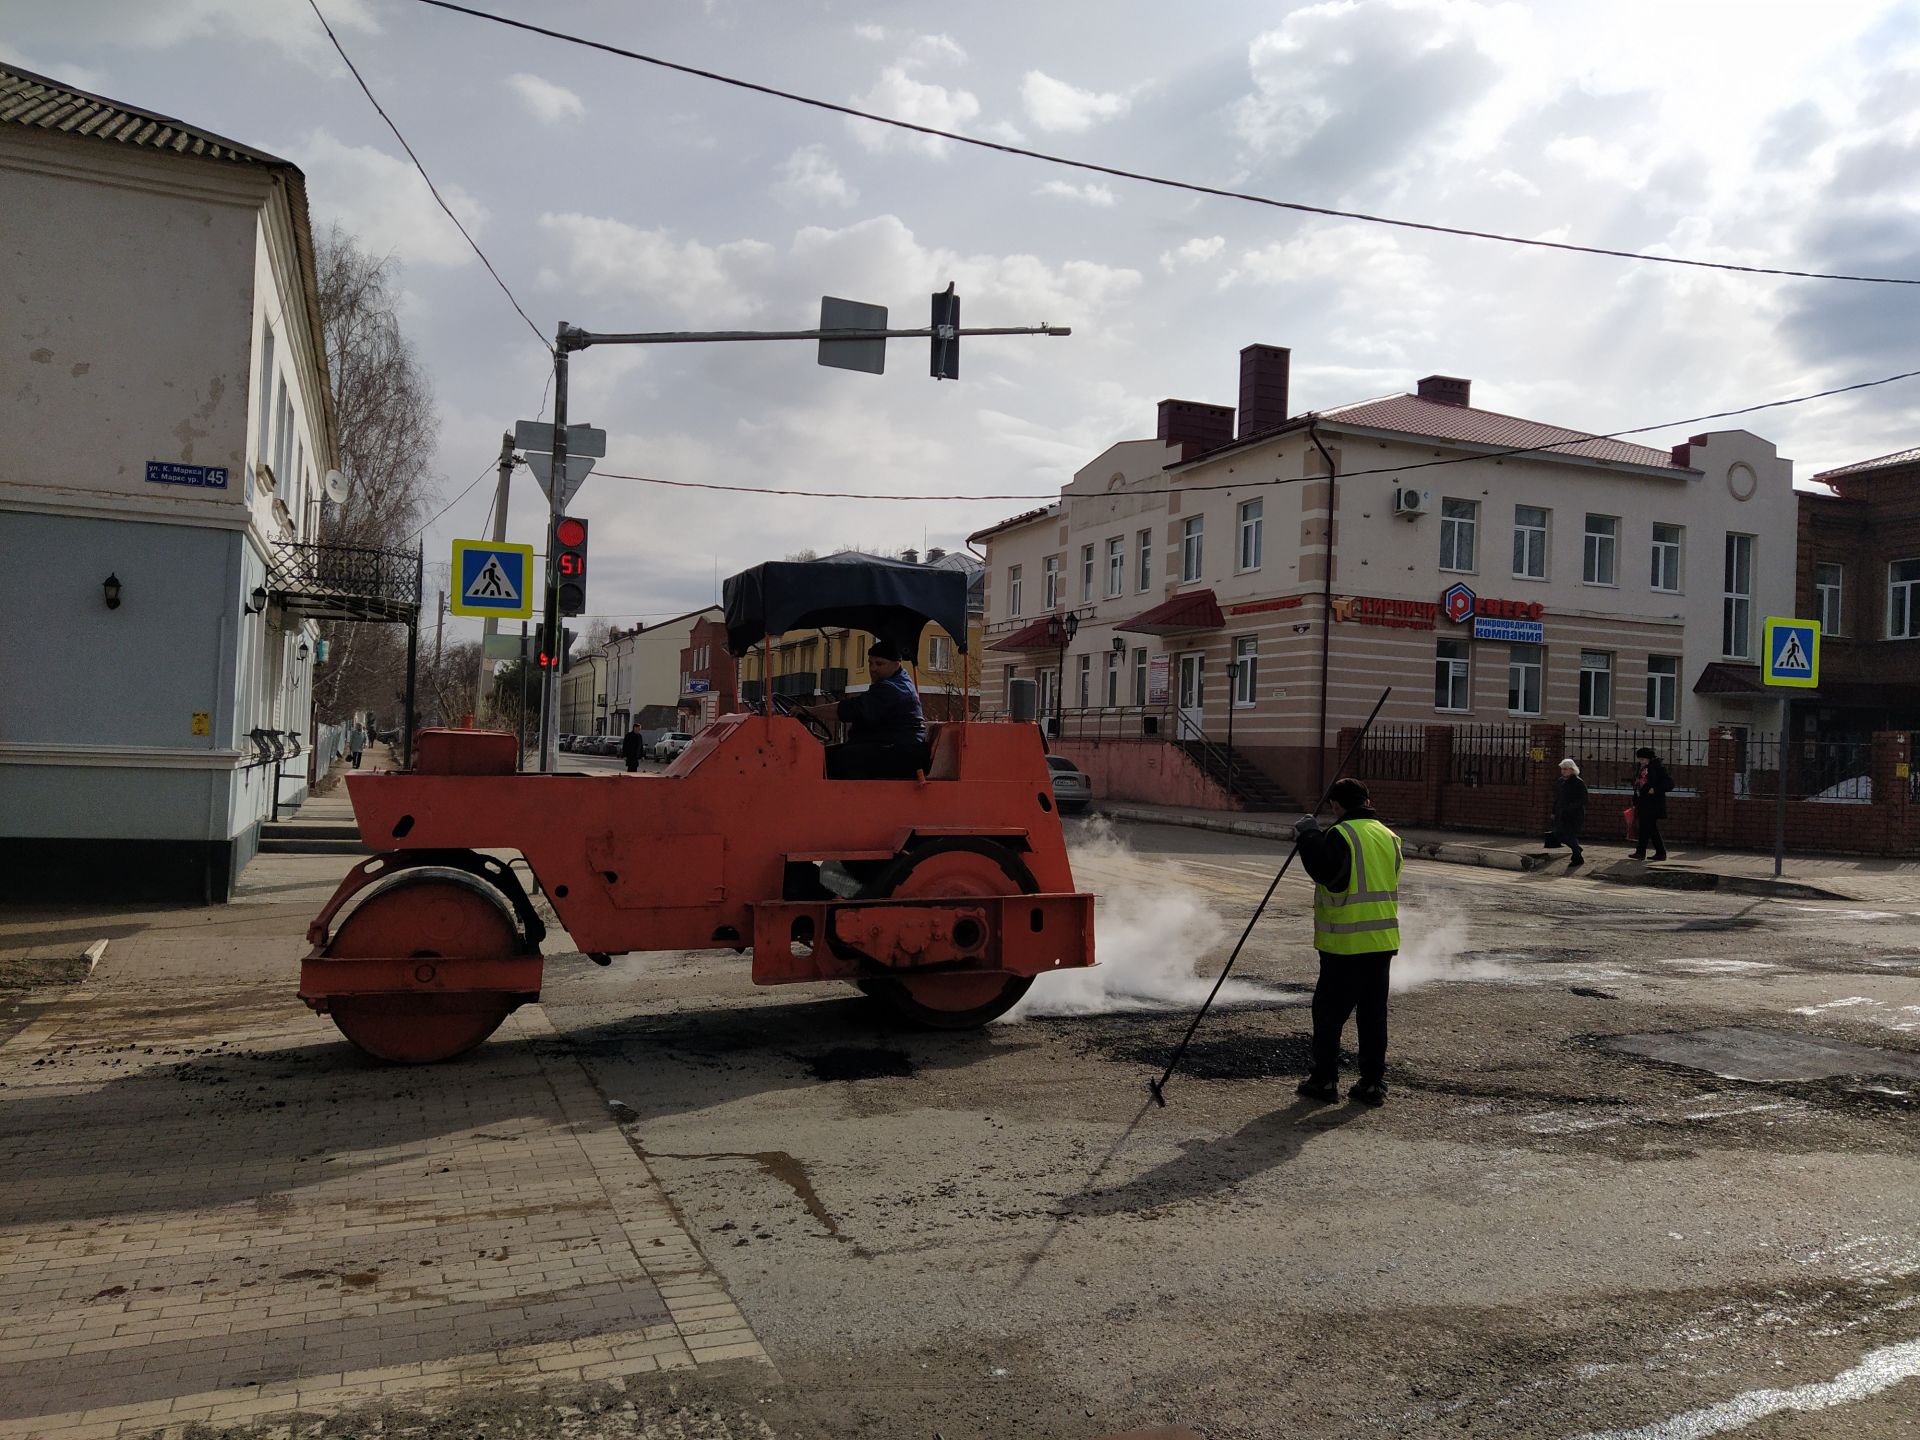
<point x="570" y="563"/>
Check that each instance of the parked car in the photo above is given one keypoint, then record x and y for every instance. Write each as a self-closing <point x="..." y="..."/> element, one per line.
<point x="669" y="746"/>
<point x="1072" y="790"/>
<point x="566" y="741"/>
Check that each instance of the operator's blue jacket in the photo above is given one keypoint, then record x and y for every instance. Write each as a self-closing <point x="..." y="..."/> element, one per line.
<point x="887" y="712"/>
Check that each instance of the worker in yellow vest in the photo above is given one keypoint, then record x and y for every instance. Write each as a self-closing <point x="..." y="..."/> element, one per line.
<point x="1355" y="865"/>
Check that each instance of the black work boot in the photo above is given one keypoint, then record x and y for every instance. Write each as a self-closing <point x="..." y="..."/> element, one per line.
<point x="1314" y="1088"/>
<point x="1369" y="1092"/>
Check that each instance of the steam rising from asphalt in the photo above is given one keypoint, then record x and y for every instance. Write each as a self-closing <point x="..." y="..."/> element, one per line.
<point x="1433" y="947"/>
<point x="1157" y="939"/>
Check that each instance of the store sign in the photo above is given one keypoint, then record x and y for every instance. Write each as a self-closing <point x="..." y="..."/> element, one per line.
<point x="1157" y="680"/>
<point x="1260" y="607"/>
<point x="1513" y="632"/>
<point x="1459" y="604"/>
<point x="698" y="687"/>
<point x="1392" y="614"/>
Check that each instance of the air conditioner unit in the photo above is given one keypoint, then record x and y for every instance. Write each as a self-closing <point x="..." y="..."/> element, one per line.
<point x="1409" y="502"/>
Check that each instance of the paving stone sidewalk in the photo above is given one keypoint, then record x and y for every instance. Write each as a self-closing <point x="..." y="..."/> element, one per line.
<point x="212" y="1209"/>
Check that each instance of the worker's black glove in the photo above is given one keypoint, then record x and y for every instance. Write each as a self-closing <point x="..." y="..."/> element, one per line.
<point x="1306" y="825"/>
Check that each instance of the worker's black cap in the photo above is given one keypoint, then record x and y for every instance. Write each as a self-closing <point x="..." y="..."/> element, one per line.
<point x="1348" y="793"/>
<point x="885" y="650"/>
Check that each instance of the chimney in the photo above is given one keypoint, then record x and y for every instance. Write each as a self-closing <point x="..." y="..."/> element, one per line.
<point x="935" y="553"/>
<point x="910" y="555"/>
<point x="1447" y="390"/>
<point x="1195" y="427"/>
<point x="1263" y="389"/>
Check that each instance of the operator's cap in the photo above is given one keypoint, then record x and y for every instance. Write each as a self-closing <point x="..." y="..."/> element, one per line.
<point x="885" y="650"/>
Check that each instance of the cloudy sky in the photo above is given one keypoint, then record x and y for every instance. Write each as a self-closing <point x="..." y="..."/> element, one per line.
<point x="619" y="196"/>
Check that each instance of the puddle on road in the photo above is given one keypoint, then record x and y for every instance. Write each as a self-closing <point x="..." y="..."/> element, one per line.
<point x="1757" y="1053"/>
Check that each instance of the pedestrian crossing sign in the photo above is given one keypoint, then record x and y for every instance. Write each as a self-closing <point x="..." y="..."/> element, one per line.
<point x="1792" y="652"/>
<point x="492" y="578"/>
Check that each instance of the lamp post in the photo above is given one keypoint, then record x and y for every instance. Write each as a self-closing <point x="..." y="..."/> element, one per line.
<point x="1060" y="630"/>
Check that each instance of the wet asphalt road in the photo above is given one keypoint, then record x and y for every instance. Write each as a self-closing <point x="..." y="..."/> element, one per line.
<point x="1542" y="1234"/>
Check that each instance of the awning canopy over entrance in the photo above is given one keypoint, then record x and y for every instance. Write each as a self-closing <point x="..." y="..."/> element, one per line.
<point x="1192" y="610"/>
<point x="1031" y="636"/>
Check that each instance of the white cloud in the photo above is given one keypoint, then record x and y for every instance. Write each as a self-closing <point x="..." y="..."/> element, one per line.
<point x="934" y="50"/>
<point x="1006" y="132"/>
<point x="870" y="32"/>
<point x="899" y="95"/>
<point x="708" y="284"/>
<point x="383" y="201"/>
<point x="810" y="176"/>
<point x="145" y="25"/>
<point x="545" y="101"/>
<point x="1055" y="105"/>
<point x="1197" y="251"/>
<point x="1091" y="194"/>
<point x="79" y="76"/>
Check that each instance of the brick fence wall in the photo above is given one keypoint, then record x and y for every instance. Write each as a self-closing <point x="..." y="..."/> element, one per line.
<point x="1714" y="814"/>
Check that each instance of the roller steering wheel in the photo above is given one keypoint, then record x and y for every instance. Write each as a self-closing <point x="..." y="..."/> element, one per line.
<point x="818" y="728"/>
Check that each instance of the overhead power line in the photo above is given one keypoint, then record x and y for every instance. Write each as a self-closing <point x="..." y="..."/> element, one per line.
<point x="1165" y="182"/>
<point x="492" y="467"/>
<point x="1495" y="454"/>
<point x="438" y="198"/>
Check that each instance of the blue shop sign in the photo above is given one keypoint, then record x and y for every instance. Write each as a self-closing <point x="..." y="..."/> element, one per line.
<point x="200" y="477"/>
<point x="1514" y="632"/>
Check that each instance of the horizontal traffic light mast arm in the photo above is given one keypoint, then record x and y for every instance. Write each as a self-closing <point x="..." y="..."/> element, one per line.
<point x="575" y="339"/>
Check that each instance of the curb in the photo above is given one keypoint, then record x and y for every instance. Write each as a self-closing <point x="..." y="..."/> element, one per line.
<point x="1619" y="873"/>
<point x="1447" y="852"/>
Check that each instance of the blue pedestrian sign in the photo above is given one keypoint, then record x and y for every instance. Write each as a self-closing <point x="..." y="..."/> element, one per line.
<point x="492" y="578"/>
<point x="1792" y="650"/>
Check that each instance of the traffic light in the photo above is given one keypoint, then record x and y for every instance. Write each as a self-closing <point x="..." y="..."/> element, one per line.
<point x="946" y="335"/>
<point x="570" y="563"/>
<point x="548" y="658"/>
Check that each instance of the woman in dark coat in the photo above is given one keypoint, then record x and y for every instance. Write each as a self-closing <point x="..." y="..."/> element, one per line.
<point x="1650" y="787"/>
<point x="1570" y="811"/>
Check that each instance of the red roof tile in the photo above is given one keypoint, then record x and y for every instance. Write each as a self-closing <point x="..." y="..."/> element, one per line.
<point x="1861" y="467"/>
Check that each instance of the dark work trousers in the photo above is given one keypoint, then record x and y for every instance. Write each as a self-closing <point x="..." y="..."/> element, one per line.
<point x="1646" y="832"/>
<point x="1349" y="983"/>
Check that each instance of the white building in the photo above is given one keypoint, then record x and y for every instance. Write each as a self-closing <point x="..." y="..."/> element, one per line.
<point x="167" y="431"/>
<point x="643" y="669"/>
<point x="1270" y="583"/>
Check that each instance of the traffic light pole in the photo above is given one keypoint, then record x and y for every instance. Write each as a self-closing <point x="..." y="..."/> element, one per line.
<point x="553" y="641"/>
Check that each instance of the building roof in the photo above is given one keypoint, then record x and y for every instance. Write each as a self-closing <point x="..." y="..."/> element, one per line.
<point x="1884" y="462"/>
<point x="41" y="103"/>
<point x="1030" y="636"/>
<point x="1026" y="518"/>
<point x="1189" y="610"/>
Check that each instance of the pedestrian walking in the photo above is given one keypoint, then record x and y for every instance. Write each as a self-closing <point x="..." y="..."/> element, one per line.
<point x="1355" y="865"/>
<point x="356" y="743"/>
<point x="630" y="748"/>
<point x="1650" y="787"/>
<point x="1569" y="812"/>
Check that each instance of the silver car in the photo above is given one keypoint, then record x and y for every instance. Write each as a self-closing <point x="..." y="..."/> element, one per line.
<point x="1072" y="790"/>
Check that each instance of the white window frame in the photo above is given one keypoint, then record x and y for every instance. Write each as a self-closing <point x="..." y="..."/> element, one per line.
<point x="939" y="652"/>
<point x="1246" y="671"/>
<point x="1193" y="539"/>
<point x="1050" y="582"/>
<point x="1736" y="604"/>
<point x="1829" y="597"/>
<point x="1116" y="566"/>
<point x="1015" y="587"/>
<point x="1518" y="664"/>
<point x="1600" y="552"/>
<point x="1086" y="681"/>
<point x="1086" y="573"/>
<point x="1146" y="560"/>
<point x="1666" y="574"/>
<point x="1458" y="672"/>
<point x="1596" y="685"/>
<point x="1458" y="530"/>
<point x="1252" y="523"/>
<point x="1140" y="675"/>
<point x="263" y="438"/>
<point x="1902" y="592"/>
<point x="1663" y="682"/>
<point x="1524" y="536"/>
<point x="1111" y="694"/>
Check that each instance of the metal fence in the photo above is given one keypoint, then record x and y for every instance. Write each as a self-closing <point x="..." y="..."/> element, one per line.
<point x="1489" y="755"/>
<point x="1839" y="771"/>
<point x="1392" y="752"/>
<point x="1607" y="761"/>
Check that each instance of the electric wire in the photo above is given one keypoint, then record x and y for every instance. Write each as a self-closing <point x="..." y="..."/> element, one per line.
<point x="492" y="467"/>
<point x="1188" y="186"/>
<point x="438" y="199"/>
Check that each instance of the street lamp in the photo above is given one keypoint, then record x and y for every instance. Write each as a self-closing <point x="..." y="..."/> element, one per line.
<point x="1060" y="631"/>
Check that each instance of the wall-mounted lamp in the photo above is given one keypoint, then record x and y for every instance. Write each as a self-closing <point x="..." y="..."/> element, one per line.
<point x="257" y="600"/>
<point x="111" y="585"/>
<point x="304" y="650"/>
<point x="1119" y="645"/>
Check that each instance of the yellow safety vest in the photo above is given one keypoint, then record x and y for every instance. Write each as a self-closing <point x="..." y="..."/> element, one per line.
<point x="1365" y="918"/>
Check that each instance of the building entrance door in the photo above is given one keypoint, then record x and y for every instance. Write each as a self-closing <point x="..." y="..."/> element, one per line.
<point x="1189" y="693"/>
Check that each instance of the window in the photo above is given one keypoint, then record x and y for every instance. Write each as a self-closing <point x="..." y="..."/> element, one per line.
<point x="1736" y="610"/>
<point x="1246" y="667"/>
<point x="1452" y="690"/>
<point x="1666" y="557"/>
<point x="1457" y="521"/>
<point x="1663" y="689"/>
<point x="1116" y="566"/>
<point x="1050" y="582"/>
<point x="1013" y="590"/>
<point x="1046" y="692"/>
<point x="1140" y="677"/>
<point x="1529" y="542"/>
<point x="1111" y="697"/>
<point x="1146" y="559"/>
<point x="1191" y="534"/>
<point x="1596" y="685"/>
<point x="939" y="652"/>
<point x="1826" y="594"/>
<point x="1526" y="667"/>
<point x="1603" y="540"/>
<point x="1086" y="681"/>
<point x="1086" y="572"/>
<point x="1250" y="526"/>
<point x="261" y="453"/>
<point x="1903" y="617"/>
<point x="283" y="440"/>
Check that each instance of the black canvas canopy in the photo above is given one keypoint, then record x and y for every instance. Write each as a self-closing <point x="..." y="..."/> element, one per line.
<point x="891" y="599"/>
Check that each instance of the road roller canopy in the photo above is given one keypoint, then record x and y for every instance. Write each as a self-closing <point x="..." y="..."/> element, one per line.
<point x="891" y="599"/>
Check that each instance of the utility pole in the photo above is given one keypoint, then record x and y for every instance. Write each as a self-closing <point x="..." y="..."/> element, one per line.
<point x="491" y="626"/>
<point x="566" y="340"/>
<point x="439" y="626"/>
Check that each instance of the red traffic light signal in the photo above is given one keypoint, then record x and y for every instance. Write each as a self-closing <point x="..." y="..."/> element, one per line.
<point x="570" y="563"/>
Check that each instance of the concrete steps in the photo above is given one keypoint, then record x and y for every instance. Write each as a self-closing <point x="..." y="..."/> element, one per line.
<point x="311" y="837"/>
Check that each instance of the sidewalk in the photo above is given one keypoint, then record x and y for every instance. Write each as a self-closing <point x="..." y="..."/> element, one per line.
<point x="1812" y="877"/>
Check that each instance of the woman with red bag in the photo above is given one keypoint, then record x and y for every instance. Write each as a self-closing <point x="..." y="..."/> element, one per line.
<point x="1650" y="787"/>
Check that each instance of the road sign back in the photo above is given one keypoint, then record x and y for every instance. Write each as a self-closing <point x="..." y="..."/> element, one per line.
<point x="1792" y="652"/>
<point x="492" y="578"/>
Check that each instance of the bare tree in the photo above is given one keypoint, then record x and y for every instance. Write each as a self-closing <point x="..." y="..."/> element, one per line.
<point x="387" y="425"/>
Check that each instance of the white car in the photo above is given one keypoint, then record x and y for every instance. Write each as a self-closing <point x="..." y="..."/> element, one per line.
<point x="669" y="745"/>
